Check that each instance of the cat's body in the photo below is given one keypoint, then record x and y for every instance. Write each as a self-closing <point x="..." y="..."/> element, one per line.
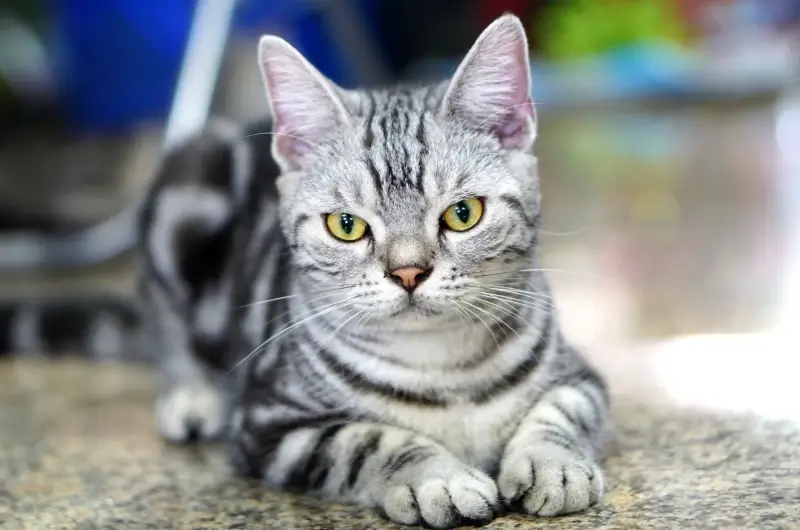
<point x="375" y="327"/>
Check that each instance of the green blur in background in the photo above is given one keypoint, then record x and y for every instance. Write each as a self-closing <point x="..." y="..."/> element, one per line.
<point x="581" y="28"/>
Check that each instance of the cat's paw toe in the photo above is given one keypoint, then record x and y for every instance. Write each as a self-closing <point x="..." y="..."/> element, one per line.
<point x="463" y="499"/>
<point x="549" y="481"/>
<point x="190" y="412"/>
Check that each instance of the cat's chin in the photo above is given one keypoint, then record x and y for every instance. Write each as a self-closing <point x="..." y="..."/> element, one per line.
<point x="414" y="312"/>
<point x="421" y="317"/>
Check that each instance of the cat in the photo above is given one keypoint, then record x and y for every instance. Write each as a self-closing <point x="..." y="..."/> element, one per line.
<point x="350" y="294"/>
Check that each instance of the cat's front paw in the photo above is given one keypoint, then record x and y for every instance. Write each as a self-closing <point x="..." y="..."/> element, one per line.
<point x="191" y="411"/>
<point x="463" y="497"/>
<point x="549" y="480"/>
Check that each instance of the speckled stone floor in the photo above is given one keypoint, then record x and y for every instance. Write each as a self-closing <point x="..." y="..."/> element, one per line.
<point x="674" y="239"/>
<point x="78" y="450"/>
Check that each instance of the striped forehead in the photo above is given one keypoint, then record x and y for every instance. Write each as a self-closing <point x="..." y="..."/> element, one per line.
<point x="395" y="143"/>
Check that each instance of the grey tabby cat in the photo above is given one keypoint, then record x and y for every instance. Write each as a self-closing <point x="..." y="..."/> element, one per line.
<point x="362" y="313"/>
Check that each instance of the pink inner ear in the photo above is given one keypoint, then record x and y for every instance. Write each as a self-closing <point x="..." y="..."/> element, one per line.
<point x="290" y="144"/>
<point x="513" y="128"/>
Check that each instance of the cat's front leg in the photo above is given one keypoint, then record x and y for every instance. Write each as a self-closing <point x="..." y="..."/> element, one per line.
<point x="407" y="477"/>
<point x="192" y="402"/>
<point x="191" y="409"/>
<point x="550" y="466"/>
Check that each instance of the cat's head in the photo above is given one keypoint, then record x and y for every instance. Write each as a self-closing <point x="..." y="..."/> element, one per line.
<point x="418" y="200"/>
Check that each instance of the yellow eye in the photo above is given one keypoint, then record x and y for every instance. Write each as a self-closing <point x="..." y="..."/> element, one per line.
<point x="345" y="226"/>
<point x="463" y="215"/>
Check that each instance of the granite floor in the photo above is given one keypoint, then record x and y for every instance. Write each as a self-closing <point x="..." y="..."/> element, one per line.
<point x="673" y="236"/>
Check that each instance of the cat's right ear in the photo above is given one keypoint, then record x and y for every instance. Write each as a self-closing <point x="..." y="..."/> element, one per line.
<point x="306" y="108"/>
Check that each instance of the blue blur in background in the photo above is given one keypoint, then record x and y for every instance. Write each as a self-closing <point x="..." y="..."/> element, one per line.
<point x="118" y="60"/>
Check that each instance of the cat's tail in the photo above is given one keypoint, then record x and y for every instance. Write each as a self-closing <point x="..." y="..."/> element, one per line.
<point x="102" y="327"/>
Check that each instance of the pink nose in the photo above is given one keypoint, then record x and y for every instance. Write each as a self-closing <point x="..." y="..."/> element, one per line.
<point x="410" y="277"/>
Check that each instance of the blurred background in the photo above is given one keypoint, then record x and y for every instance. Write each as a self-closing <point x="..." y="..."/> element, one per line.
<point x="669" y="135"/>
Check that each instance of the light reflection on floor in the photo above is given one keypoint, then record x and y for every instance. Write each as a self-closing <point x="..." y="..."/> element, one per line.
<point x="749" y="372"/>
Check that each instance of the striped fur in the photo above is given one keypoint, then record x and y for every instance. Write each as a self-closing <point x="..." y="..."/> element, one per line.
<point x="437" y="407"/>
<point x="105" y="328"/>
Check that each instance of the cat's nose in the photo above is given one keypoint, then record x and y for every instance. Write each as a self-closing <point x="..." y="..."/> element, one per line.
<point x="409" y="277"/>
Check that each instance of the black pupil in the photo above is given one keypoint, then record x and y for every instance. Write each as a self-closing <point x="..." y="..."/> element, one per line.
<point x="462" y="212"/>
<point x="347" y="221"/>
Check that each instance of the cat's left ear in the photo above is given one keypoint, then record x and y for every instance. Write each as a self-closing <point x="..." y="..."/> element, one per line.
<point x="306" y="106"/>
<point x="491" y="89"/>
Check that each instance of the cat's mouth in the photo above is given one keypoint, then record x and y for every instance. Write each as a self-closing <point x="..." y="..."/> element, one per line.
<point x="414" y="307"/>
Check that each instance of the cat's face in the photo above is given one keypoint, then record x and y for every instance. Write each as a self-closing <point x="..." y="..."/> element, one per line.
<point x="415" y="200"/>
<point x="459" y="219"/>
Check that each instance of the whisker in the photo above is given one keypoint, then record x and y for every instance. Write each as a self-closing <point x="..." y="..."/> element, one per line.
<point x="509" y="289"/>
<point x="523" y="284"/>
<point x="470" y="316"/>
<point x="275" y="133"/>
<point x="517" y="294"/>
<point x="490" y="300"/>
<point x="521" y="292"/>
<point x="365" y="315"/>
<point x="498" y="113"/>
<point x="524" y="303"/>
<point x="338" y="328"/>
<point x="514" y="281"/>
<point x="531" y="304"/>
<point x="482" y="321"/>
<point x="461" y="314"/>
<point x="569" y="233"/>
<point x="258" y="348"/>
<point x="566" y="271"/>
<point x="498" y="319"/>
<point x="364" y="324"/>
<point x="505" y="272"/>
<point x="270" y="300"/>
<point x="535" y="299"/>
<point x="307" y="311"/>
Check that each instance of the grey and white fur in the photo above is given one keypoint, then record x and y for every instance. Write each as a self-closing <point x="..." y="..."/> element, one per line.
<point x="437" y="398"/>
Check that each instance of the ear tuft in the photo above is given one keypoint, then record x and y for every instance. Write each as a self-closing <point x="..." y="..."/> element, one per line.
<point x="491" y="89"/>
<point x="306" y="108"/>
